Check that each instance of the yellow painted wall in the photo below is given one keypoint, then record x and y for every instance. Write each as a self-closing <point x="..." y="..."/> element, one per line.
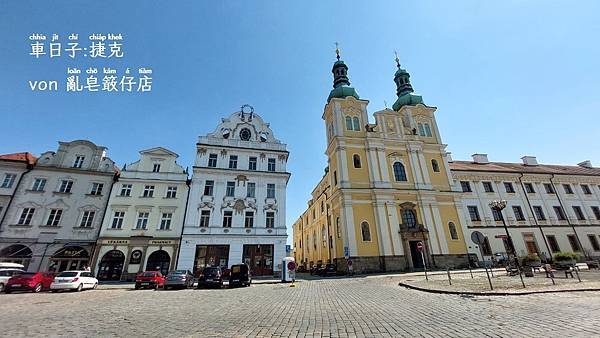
<point x="450" y="214"/>
<point x="364" y="212"/>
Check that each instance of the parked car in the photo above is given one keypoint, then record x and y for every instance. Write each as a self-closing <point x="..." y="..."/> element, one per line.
<point x="301" y="268"/>
<point x="211" y="276"/>
<point x="179" y="279"/>
<point x="240" y="275"/>
<point x="149" y="279"/>
<point x="74" y="281"/>
<point x="6" y="274"/>
<point x="29" y="281"/>
<point x="328" y="270"/>
<point x="314" y="270"/>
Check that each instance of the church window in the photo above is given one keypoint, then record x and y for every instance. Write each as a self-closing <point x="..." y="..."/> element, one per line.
<point x="421" y="129"/>
<point x="356" y="123"/>
<point x="348" y="123"/>
<point x="427" y="130"/>
<point x="356" y="160"/>
<point x="409" y="218"/>
<point x="365" y="231"/>
<point x="453" y="232"/>
<point x="399" y="172"/>
<point x="435" y="166"/>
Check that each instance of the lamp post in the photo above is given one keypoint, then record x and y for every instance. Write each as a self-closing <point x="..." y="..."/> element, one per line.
<point x="499" y="206"/>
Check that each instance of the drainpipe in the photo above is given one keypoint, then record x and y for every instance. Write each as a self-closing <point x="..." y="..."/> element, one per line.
<point x="188" y="182"/>
<point x="95" y="245"/>
<point x="12" y="196"/>
<point x="534" y="218"/>
<point x="569" y="221"/>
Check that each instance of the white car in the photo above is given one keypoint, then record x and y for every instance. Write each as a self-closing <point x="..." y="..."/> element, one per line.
<point x="5" y="274"/>
<point x="74" y="280"/>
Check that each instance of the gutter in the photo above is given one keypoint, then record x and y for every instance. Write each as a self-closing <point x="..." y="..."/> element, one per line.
<point x="568" y="220"/>
<point x="12" y="196"/>
<point x="534" y="217"/>
<point x="188" y="182"/>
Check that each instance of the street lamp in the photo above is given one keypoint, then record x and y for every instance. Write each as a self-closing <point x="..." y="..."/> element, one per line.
<point x="499" y="206"/>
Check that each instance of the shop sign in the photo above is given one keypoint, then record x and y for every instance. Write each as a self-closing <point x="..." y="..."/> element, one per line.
<point x="136" y="257"/>
<point x="116" y="241"/>
<point x="161" y="242"/>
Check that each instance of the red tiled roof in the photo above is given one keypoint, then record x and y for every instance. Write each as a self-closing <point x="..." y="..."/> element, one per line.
<point x="521" y="168"/>
<point x="21" y="157"/>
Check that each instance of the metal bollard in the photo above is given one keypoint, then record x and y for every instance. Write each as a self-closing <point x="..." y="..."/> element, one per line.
<point x="488" y="277"/>
<point x="449" y="278"/>
<point x="577" y="273"/>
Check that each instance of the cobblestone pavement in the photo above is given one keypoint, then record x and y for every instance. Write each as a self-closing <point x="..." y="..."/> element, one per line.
<point x="334" y="307"/>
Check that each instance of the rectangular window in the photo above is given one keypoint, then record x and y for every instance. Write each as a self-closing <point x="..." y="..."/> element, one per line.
<point x="574" y="243"/>
<point x="270" y="219"/>
<point x="88" y="219"/>
<point x="270" y="190"/>
<point x="8" y="181"/>
<point x="474" y="213"/>
<point x="529" y="188"/>
<point x="560" y="213"/>
<point x="233" y="161"/>
<point x="553" y="243"/>
<point x="230" y="192"/>
<point x="227" y="218"/>
<point x="78" y="161"/>
<point x="466" y="186"/>
<point x="334" y="177"/>
<point x="148" y="191"/>
<point x="497" y="214"/>
<point x="171" y="192"/>
<point x="586" y="189"/>
<point x="125" y="190"/>
<point x="26" y="216"/>
<point x="487" y="187"/>
<point x="596" y="211"/>
<point x="252" y="163"/>
<point x="271" y="164"/>
<point x="579" y="213"/>
<point x="142" y="220"/>
<point x="155" y="168"/>
<point x="54" y="217"/>
<point x="508" y="186"/>
<point x="204" y="218"/>
<point x="97" y="189"/>
<point x="212" y="160"/>
<point x="594" y="242"/>
<point x="518" y="213"/>
<point x="549" y="188"/>
<point x="249" y="219"/>
<point x="251" y="190"/>
<point x="165" y="221"/>
<point x="118" y="217"/>
<point x="567" y="188"/>
<point x="208" y="188"/>
<point x="539" y="213"/>
<point x="65" y="186"/>
<point x="39" y="184"/>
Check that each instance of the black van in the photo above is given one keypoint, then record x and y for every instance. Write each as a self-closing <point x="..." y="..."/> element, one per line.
<point x="240" y="275"/>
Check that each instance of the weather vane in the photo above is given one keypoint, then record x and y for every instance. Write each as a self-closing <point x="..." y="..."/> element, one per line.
<point x="337" y="50"/>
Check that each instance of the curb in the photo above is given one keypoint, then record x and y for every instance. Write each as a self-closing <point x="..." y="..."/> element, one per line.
<point x="473" y="293"/>
<point x="130" y="286"/>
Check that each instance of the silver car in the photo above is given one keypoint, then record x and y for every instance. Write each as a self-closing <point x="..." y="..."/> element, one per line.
<point x="179" y="279"/>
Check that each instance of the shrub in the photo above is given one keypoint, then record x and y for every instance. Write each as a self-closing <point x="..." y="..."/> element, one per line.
<point x="531" y="258"/>
<point x="565" y="256"/>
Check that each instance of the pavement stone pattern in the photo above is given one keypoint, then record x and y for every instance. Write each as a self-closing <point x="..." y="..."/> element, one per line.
<point x="350" y="307"/>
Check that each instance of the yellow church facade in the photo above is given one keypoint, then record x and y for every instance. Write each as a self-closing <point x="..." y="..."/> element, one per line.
<point x="387" y="187"/>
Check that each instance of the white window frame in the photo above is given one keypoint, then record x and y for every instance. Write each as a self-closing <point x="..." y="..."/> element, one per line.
<point x="171" y="192"/>
<point x="141" y="222"/>
<point x="78" y="163"/>
<point x="204" y="219"/>
<point x="54" y="217"/>
<point x="118" y="219"/>
<point x="165" y="220"/>
<point x="26" y="216"/>
<point x="39" y="184"/>
<point x="87" y="219"/>
<point x="125" y="190"/>
<point x="65" y="186"/>
<point x="148" y="191"/>
<point x="97" y="189"/>
<point x="9" y="180"/>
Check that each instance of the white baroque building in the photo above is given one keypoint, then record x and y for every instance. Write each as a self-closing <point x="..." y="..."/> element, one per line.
<point x="57" y="208"/>
<point x="144" y="217"/>
<point x="236" y="208"/>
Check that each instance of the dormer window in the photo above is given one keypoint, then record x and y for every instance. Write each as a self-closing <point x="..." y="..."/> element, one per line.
<point x="156" y="167"/>
<point x="78" y="161"/>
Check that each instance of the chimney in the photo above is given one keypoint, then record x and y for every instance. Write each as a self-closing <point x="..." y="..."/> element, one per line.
<point x="529" y="160"/>
<point x="449" y="157"/>
<point x="480" y="158"/>
<point x="585" y="164"/>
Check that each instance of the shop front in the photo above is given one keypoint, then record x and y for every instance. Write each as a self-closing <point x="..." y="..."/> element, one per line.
<point x="259" y="258"/>
<point x="69" y="258"/>
<point x="210" y="255"/>
<point x="16" y="253"/>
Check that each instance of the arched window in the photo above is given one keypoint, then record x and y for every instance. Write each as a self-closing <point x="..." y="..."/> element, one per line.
<point x="435" y="166"/>
<point x="409" y="218"/>
<point x="421" y="129"/>
<point x="399" y="172"/>
<point x="324" y="235"/>
<point x="307" y="242"/>
<point x="427" y="130"/>
<point x="348" y="123"/>
<point x="315" y="239"/>
<point x="356" y="123"/>
<point x="365" y="231"/>
<point x="337" y="226"/>
<point x="453" y="233"/>
<point x="356" y="160"/>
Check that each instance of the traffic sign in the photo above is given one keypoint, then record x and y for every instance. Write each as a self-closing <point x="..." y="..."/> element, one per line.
<point x="349" y="262"/>
<point x="420" y="246"/>
<point x="346" y="252"/>
<point x="291" y="266"/>
<point x="477" y="237"/>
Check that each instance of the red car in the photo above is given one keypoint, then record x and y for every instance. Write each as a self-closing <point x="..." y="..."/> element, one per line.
<point x="29" y="281"/>
<point x="149" y="279"/>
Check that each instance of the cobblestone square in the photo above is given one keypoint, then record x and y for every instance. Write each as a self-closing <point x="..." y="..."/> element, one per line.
<point x="347" y="307"/>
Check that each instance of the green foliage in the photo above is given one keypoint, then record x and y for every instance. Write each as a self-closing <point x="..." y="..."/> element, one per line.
<point x="531" y="258"/>
<point x="565" y="256"/>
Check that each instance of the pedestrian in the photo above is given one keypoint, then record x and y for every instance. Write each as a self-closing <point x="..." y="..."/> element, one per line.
<point x="87" y="268"/>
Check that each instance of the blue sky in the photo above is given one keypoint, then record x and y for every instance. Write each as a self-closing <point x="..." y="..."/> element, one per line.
<point x="509" y="78"/>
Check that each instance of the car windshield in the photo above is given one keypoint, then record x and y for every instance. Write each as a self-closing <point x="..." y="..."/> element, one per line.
<point x="26" y="274"/>
<point x="177" y="272"/>
<point x="149" y="274"/>
<point x="67" y="274"/>
<point x="211" y="270"/>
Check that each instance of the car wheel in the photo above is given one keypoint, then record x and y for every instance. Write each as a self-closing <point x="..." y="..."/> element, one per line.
<point x="54" y="291"/>
<point x="37" y="288"/>
<point x="95" y="286"/>
<point x="1" y="287"/>
<point x="7" y="290"/>
<point x="79" y="287"/>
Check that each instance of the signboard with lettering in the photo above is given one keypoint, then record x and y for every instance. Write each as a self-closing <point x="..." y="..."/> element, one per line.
<point x="136" y="257"/>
